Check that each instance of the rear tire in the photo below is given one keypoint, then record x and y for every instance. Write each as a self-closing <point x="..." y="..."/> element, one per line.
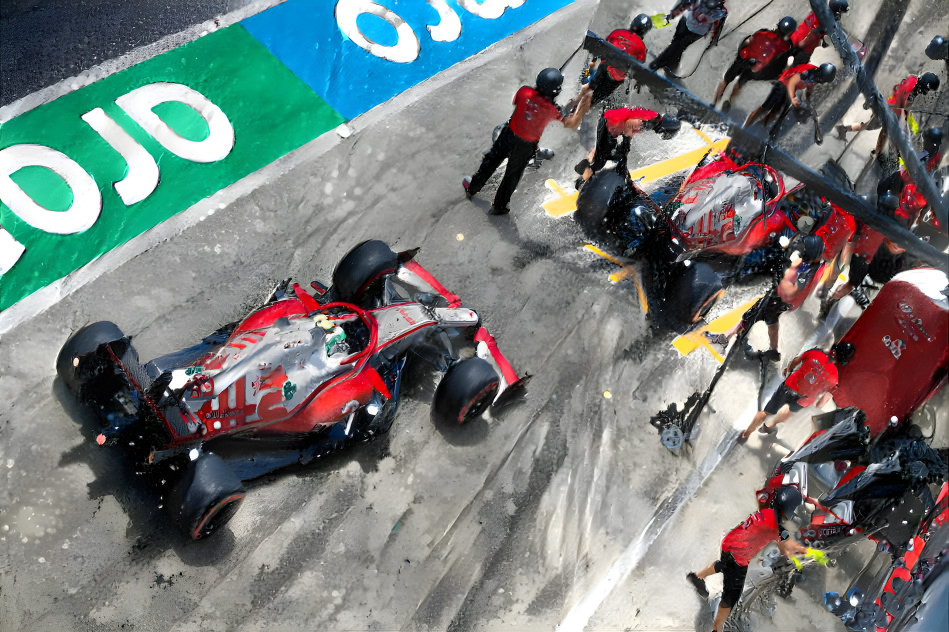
<point x="356" y="276"/>
<point x="692" y="295"/>
<point x="69" y="362"/>
<point x="205" y="497"/>
<point x="465" y="392"/>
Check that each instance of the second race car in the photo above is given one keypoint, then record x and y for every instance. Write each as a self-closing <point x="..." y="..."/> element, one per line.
<point x="723" y="207"/>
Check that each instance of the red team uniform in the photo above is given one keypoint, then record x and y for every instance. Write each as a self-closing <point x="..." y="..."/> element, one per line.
<point x="532" y="114"/>
<point x="816" y="375"/>
<point x="837" y="229"/>
<point x="606" y="78"/>
<point x="739" y="547"/>
<point x="806" y="38"/>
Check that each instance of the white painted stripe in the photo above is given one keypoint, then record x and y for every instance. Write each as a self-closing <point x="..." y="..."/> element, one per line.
<point x="579" y="616"/>
<point x="138" y="55"/>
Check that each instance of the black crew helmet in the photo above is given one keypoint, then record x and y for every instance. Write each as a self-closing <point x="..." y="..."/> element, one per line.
<point x="938" y="48"/>
<point x="932" y="141"/>
<point x="640" y="24"/>
<point x="549" y="82"/>
<point x="838" y="7"/>
<point x="787" y="500"/>
<point x="887" y="203"/>
<point x="927" y="81"/>
<point x="667" y="126"/>
<point x="843" y="352"/>
<point x="826" y="72"/>
<point x="787" y="25"/>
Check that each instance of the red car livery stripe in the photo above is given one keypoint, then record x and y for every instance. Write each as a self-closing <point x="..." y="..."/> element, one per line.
<point x="453" y="299"/>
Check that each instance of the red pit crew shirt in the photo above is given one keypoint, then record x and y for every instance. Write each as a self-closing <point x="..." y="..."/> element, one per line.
<point x="752" y="535"/>
<point x="629" y="43"/>
<point x="764" y="46"/>
<point x="616" y="118"/>
<point x="816" y="375"/>
<point x="532" y="114"/>
<point x="836" y="231"/>
<point x="790" y="72"/>
<point x="808" y="34"/>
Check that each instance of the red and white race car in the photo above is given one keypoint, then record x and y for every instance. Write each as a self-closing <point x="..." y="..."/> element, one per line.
<point x="723" y="208"/>
<point x="298" y="378"/>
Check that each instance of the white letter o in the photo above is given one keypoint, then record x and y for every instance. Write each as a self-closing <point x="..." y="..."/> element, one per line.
<point x="87" y="201"/>
<point x="406" y="48"/>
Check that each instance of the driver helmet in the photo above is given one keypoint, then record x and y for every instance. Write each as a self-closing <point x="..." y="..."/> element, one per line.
<point x="787" y="500"/>
<point x="826" y="72"/>
<point x="787" y="25"/>
<point x="838" y="7"/>
<point x="640" y="24"/>
<point x="927" y="81"/>
<point x="549" y="82"/>
<point x="843" y="352"/>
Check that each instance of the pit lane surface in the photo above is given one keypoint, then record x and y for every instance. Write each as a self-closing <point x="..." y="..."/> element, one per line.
<point x="550" y="517"/>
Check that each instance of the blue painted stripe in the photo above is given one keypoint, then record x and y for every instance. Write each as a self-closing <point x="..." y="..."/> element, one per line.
<point x="306" y="36"/>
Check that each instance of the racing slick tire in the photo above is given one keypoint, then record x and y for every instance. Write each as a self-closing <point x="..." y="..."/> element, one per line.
<point x="205" y="497"/>
<point x="358" y="272"/>
<point x="465" y="392"/>
<point x="81" y="344"/>
<point x="693" y="293"/>
<point x="595" y="202"/>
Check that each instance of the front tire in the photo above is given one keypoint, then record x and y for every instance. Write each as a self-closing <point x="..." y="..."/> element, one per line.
<point x="596" y="199"/>
<point x="465" y="392"/>
<point x="72" y="359"/>
<point x="206" y="496"/>
<point x="692" y="295"/>
<point x="357" y="276"/>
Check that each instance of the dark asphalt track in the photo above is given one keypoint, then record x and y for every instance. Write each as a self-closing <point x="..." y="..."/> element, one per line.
<point x="45" y="41"/>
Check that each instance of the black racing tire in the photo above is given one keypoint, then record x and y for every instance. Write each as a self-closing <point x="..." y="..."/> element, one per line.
<point x="357" y="273"/>
<point x="693" y="293"/>
<point x="465" y="392"/>
<point x="596" y="200"/>
<point x="206" y="496"/>
<point x="79" y="345"/>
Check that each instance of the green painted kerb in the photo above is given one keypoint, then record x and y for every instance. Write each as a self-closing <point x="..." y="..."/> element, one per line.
<point x="271" y="111"/>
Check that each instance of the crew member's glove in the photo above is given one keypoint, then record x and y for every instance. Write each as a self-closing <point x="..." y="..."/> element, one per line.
<point x="666" y="125"/>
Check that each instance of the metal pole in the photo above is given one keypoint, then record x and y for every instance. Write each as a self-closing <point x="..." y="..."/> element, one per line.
<point x="877" y="101"/>
<point x="776" y="157"/>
